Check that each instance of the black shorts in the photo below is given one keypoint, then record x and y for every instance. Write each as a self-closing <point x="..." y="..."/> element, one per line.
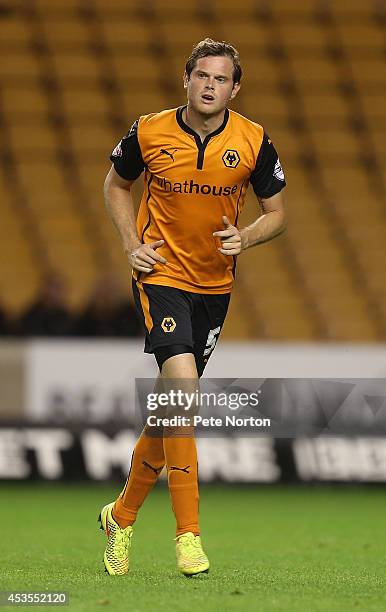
<point x="175" y="317"/>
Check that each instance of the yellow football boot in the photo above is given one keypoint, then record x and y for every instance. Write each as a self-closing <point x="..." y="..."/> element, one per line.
<point x="191" y="559"/>
<point x="116" y="557"/>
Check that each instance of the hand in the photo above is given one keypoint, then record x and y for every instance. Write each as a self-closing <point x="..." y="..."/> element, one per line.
<point x="230" y="238"/>
<point x="144" y="257"/>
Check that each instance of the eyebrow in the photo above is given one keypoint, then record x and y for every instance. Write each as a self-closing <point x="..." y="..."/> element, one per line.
<point x="223" y="76"/>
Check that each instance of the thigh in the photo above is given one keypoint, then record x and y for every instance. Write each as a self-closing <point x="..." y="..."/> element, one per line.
<point x="208" y="318"/>
<point x="166" y="313"/>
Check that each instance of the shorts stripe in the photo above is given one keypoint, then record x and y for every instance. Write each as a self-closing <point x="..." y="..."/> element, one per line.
<point x="145" y="307"/>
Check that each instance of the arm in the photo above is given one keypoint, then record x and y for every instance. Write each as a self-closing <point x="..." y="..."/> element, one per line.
<point x="269" y="225"/>
<point x="120" y="206"/>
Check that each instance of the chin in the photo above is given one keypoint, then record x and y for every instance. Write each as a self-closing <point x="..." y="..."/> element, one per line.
<point x="208" y="110"/>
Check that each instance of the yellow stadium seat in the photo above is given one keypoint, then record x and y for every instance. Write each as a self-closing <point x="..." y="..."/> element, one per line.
<point x="93" y="172"/>
<point x="375" y="123"/>
<point x="313" y="230"/>
<point x="335" y="144"/>
<point x="347" y="317"/>
<point x="134" y="69"/>
<point x="21" y="66"/>
<point x="124" y="35"/>
<point x="320" y="106"/>
<point x="121" y="6"/>
<point x="299" y="329"/>
<point x="267" y="264"/>
<point x="309" y="71"/>
<point x="180" y="37"/>
<point x="320" y="250"/>
<point x="259" y="71"/>
<point x="91" y="140"/>
<point x="17" y="281"/>
<point x="174" y="10"/>
<point x="229" y="10"/>
<point x="302" y="212"/>
<point x="287" y="9"/>
<point x="300" y="179"/>
<point x="372" y="263"/>
<point x="42" y="180"/>
<point x="14" y="32"/>
<point x="138" y="102"/>
<point x="259" y="107"/>
<point x="237" y="326"/>
<point x="369" y="237"/>
<point x="66" y="33"/>
<point x="369" y="72"/>
<point x="374" y="105"/>
<point x="52" y="203"/>
<point x="248" y="36"/>
<point x="69" y="7"/>
<point x="11" y="232"/>
<point x="287" y="143"/>
<point x="360" y="36"/>
<point x="379" y="142"/>
<point x="86" y="102"/>
<point x="299" y="37"/>
<point x="344" y="11"/>
<point x="76" y="66"/>
<point x="346" y="180"/>
<point x="351" y="190"/>
<point x="32" y="139"/>
<point x="18" y="285"/>
<point x="282" y="317"/>
<point x="21" y="99"/>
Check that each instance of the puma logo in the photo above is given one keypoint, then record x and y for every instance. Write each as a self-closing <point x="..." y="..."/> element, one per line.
<point x="185" y="469"/>
<point x="156" y="470"/>
<point x="169" y="153"/>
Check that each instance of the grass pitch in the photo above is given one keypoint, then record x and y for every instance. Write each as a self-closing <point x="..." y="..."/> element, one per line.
<point x="291" y="549"/>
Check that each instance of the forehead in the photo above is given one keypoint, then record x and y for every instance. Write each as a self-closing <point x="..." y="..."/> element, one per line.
<point x="215" y="64"/>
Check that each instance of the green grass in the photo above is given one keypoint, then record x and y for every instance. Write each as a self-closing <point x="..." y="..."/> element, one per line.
<point x="304" y="549"/>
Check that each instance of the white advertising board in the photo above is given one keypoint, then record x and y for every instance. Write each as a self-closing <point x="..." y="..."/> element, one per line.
<point x="94" y="381"/>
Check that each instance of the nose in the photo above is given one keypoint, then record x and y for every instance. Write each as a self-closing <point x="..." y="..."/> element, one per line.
<point x="210" y="83"/>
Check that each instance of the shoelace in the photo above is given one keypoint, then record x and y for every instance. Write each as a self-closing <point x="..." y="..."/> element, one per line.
<point x="122" y="537"/>
<point x="192" y="544"/>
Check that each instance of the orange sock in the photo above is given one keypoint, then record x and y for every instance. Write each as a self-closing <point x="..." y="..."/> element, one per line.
<point x="181" y="460"/>
<point x="146" y="464"/>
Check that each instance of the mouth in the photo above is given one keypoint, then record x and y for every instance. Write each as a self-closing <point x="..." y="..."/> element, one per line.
<point x="207" y="98"/>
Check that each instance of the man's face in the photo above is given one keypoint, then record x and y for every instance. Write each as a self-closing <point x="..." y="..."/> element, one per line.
<point x="210" y="86"/>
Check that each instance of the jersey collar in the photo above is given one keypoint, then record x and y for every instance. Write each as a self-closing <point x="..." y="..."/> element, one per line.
<point x="201" y="144"/>
<point x="189" y="130"/>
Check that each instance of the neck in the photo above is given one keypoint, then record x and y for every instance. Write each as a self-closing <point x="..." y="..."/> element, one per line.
<point x="202" y="124"/>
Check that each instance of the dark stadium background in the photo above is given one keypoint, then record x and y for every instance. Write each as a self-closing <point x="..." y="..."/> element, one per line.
<point x="311" y="304"/>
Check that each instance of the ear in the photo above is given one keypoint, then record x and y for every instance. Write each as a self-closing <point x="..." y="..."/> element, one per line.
<point x="186" y="80"/>
<point x="235" y="90"/>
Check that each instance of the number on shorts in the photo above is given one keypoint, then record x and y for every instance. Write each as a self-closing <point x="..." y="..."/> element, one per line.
<point x="211" y="341"/>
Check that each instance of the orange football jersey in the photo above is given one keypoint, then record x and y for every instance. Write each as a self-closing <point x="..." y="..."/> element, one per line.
<point x="189" y="185"/>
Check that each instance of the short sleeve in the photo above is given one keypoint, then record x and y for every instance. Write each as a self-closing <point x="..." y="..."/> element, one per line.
<point x="127" y="157"/>
<point x="267" y="178"/>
